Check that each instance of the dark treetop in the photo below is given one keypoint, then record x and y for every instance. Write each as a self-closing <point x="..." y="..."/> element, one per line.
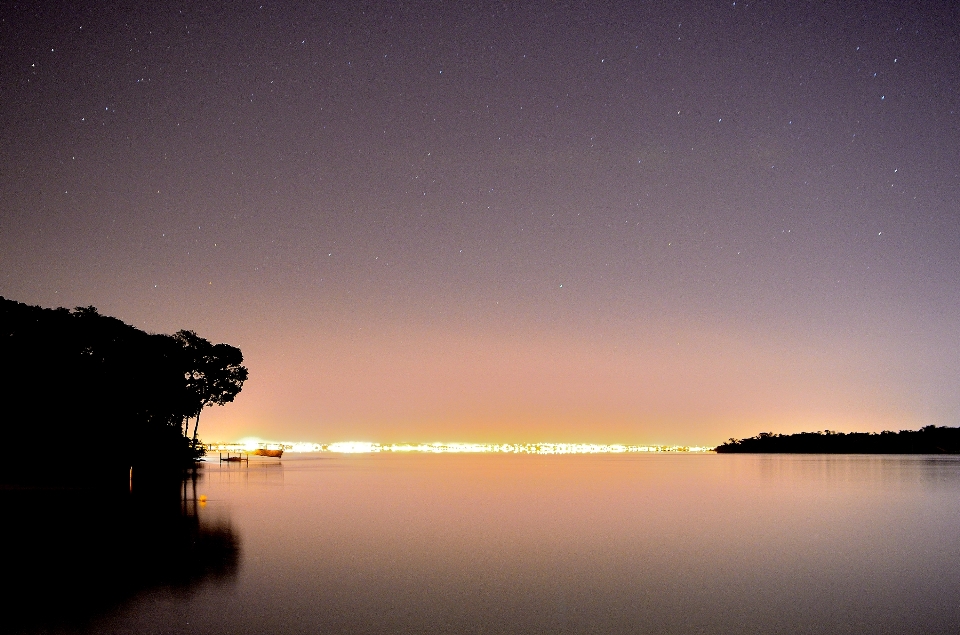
<point x="98" y="397"/>
<point x="928" y="440"/>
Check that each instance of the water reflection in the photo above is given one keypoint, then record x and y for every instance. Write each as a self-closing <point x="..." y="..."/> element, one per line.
<point x="600" y="544"/>
<point x="255" y="472"/>
<point x="519" y="544"/>
<point x="871" y="470"/>
<point x="74" y="555"/>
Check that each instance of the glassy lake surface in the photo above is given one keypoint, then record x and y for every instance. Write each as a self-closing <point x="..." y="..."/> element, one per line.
<point x="573" y="544"/>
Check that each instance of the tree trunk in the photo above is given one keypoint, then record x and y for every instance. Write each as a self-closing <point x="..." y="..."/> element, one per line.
<point x="195" y="426"/>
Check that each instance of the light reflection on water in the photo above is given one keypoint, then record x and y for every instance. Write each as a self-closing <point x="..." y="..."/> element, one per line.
<point x="579" y="544"/>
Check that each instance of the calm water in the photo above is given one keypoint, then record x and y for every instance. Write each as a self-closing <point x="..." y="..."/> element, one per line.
<point x="573" y="544"/>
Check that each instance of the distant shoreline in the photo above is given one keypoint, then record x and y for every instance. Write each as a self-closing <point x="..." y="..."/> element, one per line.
<point x="928" y="440"/>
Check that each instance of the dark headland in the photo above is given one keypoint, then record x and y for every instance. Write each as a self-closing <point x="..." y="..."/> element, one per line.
<point x="928" y="440"/>
<point x="98" y="474"/>
<point x="87" y="399"/>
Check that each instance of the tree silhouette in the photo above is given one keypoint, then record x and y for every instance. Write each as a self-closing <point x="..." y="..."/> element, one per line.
<point x="107" y="395"/>
<point x="927" y="440"/>
<point x="214" y="373"/>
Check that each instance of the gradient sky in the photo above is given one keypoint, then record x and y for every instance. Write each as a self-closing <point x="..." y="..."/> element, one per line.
<point x="485" y="221"/>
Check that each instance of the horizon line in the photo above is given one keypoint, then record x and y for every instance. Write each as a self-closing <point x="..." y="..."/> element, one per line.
<point x="250" y="444"/>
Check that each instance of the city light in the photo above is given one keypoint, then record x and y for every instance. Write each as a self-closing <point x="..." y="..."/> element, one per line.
<point x="366" y="447"/>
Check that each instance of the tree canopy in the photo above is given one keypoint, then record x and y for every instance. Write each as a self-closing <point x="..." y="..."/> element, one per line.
<point x="213" y="372"/>
<point x="88" y="386"/>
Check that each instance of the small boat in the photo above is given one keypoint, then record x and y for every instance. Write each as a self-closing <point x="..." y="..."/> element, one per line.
<point x="265" y="452"/>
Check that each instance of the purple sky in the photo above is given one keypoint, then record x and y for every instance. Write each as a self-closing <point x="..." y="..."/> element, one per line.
<point x="478" y="221"/>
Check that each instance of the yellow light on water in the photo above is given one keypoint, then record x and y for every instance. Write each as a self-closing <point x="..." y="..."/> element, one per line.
<point x="249" y="444"/>
<point x="302" y="447"/>
<point x="367" y="447"/>
<point x="354" y="447"/>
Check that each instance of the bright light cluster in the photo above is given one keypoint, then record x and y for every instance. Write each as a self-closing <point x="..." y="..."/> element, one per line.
<point x="365" y="447"/>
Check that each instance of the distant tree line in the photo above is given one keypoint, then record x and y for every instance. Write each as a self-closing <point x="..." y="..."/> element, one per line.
<point x="85" y="394"/>
<point x="928" y="440"/>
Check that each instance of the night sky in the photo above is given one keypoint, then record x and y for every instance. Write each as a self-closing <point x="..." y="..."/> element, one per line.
<point x="482" y="221"/>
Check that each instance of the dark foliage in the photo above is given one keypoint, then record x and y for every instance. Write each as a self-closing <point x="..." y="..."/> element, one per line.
<point x="928" y="440"/>
<point x="99" y="396"/>
<point x="214" y="374"/>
